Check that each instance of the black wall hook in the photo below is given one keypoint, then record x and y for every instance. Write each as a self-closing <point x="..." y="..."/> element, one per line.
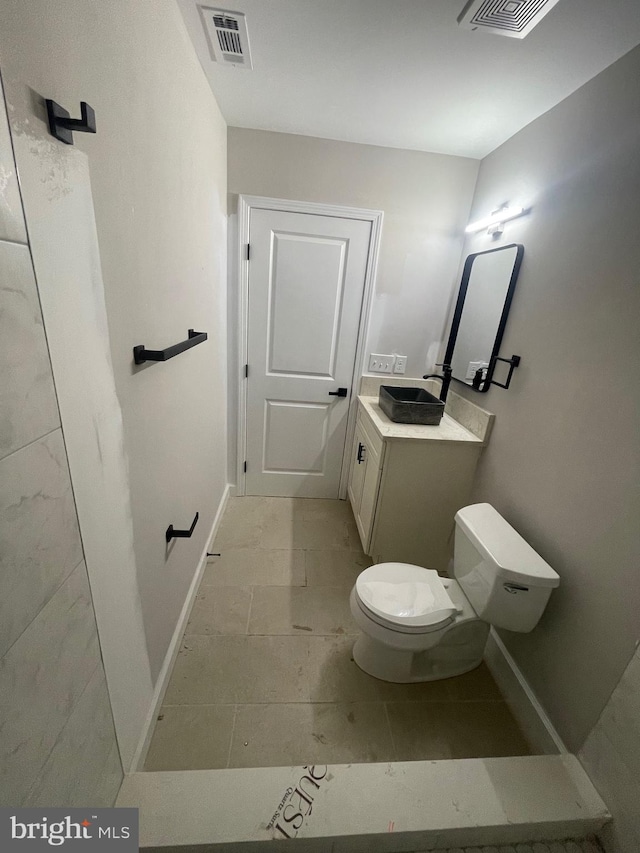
<point x="61" y="125"/>
<point x="172" y="533"/>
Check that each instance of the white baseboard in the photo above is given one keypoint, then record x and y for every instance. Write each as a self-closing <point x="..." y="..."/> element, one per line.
<point x="524" y="704"/>
<point x="174" y="646"/>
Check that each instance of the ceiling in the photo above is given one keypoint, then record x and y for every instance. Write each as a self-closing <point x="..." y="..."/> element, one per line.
<point x="402" y="73"/>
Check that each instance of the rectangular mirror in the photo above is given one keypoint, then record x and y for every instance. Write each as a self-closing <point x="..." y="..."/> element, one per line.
<point x="486" y="290"/>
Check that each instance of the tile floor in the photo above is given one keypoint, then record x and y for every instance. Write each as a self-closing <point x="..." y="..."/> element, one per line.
<point x="265" y="677"/>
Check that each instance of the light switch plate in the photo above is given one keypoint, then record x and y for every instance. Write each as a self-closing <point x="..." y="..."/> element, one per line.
<point x="381" y="363"/>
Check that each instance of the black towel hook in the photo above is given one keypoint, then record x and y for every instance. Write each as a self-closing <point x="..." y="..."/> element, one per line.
<point x="61" y="125"/>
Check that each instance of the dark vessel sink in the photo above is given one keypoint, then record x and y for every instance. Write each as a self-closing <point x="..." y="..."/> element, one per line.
<point x="410" y="405"/>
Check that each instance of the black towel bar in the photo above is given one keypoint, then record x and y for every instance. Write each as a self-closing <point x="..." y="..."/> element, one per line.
<point x="140" y="354"/>
<point x="513" y="362"/>
<point x="172" y="533"/>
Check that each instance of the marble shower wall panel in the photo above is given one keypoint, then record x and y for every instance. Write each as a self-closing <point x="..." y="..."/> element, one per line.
<point x="611" y="756"/>
<point x="39" y="537"/>
<point x="57" y="740"/>
<point x="11" y="217"/>
<point x="58" y="203"/>
<point x="83" y="767"/>
<point x="28" y="406"/>
<point x="42" y="677"/>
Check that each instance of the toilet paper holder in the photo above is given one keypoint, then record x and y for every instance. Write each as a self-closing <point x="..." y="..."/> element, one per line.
<point x="172" y="533"/>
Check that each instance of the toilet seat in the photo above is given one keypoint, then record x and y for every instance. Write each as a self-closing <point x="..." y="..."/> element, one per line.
<point x="405" y="597"/>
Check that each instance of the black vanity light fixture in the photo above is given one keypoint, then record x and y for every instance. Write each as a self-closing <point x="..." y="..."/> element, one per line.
<point x="494" y="223"/>
<point x="62" y="126"/>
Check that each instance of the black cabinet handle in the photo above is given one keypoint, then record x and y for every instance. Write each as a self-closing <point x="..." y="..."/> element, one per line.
<point x="172" y="533"/>
<point x="361" y="450"/>
<point x="341" y="392"/>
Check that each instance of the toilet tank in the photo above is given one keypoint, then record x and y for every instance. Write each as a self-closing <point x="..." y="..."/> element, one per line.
<point x="506" y="581"/>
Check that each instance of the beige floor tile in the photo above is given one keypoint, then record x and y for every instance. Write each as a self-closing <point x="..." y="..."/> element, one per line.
<point x="335" y="677"/>
<point x="227" y="669"/>
<point x="241" y="525"/>
<point x="323" y="533"/>
<point x="309" y="509"/>
<point x="335" y="568"/>
<point x="256" y="522"/>
<point x="191" y="737"/>
<point x="253" y="566"/>
<point x="278" y="528"/>
<point x="286" y="523"/>
<point x="473" y="686"/>
<point x="220" y="610"/>
<point x="299" y="609"/>
<point x="272" y="735"/>
<point x="444" y="730"/>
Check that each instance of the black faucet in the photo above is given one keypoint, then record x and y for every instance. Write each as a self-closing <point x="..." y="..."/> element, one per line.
<point x="444" y="377"/>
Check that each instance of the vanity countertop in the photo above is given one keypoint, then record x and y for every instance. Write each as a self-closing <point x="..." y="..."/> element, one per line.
<point x="447" y="430"/>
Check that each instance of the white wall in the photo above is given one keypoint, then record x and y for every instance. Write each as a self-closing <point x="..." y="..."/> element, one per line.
<point x="158" y="172"/>
<point x="425" y="199"/>
<point x="564" y="458"/>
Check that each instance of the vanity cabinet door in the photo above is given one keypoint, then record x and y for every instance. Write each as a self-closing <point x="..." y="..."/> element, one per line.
<point x="366" y="464"/>
<point x="358" y="468"/>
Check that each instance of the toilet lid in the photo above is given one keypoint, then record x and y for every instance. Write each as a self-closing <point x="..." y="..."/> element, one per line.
<point x="403" y="594"/>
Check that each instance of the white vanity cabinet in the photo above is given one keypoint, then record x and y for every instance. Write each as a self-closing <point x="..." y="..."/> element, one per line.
<point x="406" y="483"/>
<point x="366" y="468"/>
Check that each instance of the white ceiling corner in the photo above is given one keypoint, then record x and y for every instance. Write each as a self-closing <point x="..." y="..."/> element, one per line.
<point x="402" y="73"/>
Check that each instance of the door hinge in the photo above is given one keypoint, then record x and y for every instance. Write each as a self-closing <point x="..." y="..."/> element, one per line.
<point x="246" y="371"/>
<point x="245" y="466"/>
<point x="247" y="251"/>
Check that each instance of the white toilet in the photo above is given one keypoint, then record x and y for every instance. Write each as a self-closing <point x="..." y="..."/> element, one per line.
<point x="417" y="626"/>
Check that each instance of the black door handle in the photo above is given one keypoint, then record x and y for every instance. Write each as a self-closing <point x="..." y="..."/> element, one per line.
<point x="361" y="450"/>
<point x="341" y="392"/>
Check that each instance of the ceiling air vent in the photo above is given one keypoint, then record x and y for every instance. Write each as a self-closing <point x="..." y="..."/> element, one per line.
<point x="513" y="18"/>
<point x="227" y="35"/>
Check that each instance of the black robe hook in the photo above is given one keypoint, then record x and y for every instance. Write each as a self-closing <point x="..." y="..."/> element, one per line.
<point x="61" y="125"/>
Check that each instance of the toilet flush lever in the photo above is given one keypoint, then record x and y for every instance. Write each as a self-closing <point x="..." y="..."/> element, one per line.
<point x="514" y="588"/>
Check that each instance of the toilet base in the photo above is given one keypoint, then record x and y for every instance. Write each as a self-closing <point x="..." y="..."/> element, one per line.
<point x="458" y="652"/>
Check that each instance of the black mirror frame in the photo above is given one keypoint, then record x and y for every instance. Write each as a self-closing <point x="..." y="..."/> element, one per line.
<point x="462" y="293"/>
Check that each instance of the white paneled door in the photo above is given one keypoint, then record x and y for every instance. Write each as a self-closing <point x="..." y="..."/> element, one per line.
<point x="306" y="282"/>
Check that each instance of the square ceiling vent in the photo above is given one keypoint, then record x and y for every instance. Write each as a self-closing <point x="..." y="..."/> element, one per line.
<point x="227" y="36"/>
<point x="513" y="18"/>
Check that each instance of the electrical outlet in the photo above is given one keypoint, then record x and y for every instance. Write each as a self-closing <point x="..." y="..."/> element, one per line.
<point x="381" y="363"/>
<point x="400" y="364"/>
<point x="474" y="366"/>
